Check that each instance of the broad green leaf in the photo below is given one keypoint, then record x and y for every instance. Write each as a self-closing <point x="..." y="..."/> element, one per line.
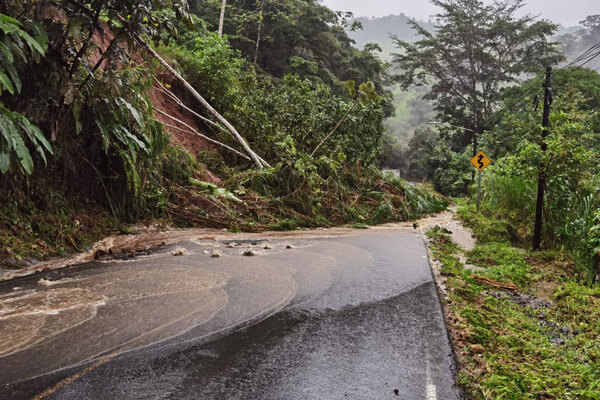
<point x="33" y="44"/>
<point x="7" y="52"/>
<point x="136" y="115"/>
<point x="14" y="75"/>
<point x="23" y="153"/>
<point x="5" y="81"/>
<point x="9" y="25"/>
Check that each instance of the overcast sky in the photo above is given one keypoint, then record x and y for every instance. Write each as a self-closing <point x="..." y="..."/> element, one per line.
<point x="565" y="12"/>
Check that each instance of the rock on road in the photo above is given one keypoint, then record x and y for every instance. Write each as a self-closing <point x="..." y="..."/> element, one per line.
<point x="340" y="314"/>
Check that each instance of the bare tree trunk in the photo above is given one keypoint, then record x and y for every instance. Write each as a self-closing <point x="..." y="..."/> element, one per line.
<point x="257" y="160"/>
<point x="259" y="36"/>
<point x="336" y="127"/>
<point x="222" y="18"/>
<point x="191" y="130"/>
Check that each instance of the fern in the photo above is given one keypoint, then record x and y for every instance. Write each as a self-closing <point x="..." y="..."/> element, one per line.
<point x="16" y="131"/>
<point x="15" y="41"/>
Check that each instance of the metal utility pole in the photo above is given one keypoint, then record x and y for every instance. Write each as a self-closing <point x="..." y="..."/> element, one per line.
<point x="539" y="212"/>
<point x="475" y="152"/>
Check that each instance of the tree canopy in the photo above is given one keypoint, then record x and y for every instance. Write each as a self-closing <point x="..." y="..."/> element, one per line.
<point x="474" y="52"/>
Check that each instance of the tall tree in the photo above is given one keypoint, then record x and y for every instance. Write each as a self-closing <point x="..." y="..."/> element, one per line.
<point x="474" y="53"/>
<point x="574" y="44"/>
<point x="222" y="17"/>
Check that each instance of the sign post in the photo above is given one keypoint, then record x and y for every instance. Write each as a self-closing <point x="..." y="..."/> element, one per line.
<point x="480" y="162"/>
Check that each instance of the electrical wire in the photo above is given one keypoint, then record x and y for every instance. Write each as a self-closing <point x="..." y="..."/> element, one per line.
<point x="583" y="59"/>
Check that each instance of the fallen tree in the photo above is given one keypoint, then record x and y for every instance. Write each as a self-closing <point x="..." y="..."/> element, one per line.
<point x="260" y="163"/>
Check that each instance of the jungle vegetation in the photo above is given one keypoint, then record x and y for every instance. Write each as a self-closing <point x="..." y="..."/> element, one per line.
<point x="100" y="101"/>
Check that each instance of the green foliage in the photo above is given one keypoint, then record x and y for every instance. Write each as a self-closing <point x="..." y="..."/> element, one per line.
<point x="506" y="346"/>
<point x="210" y="63"/>
<point x="16" y="45"/>
<point x="16" y="42"/>
<point x="297" y="37"/>
<point x="291" y="117"/>
<point x="466" y="61"/>
<point x="16" y="129"/>
<point x="308" y="193"/>
<point x="570" y="166"/>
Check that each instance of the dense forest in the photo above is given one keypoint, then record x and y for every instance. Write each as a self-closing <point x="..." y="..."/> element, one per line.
<point x="116" y="112"/>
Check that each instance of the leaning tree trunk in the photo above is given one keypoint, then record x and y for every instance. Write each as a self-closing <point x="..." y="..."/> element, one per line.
<point x="259" y="35"/>
<point x="222" y="18"/>
<point x="257" y="160"/>
<point x="341" y="121"/>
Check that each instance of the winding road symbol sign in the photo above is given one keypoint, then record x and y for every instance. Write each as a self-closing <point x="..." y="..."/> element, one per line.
<point x="481" y="161"/>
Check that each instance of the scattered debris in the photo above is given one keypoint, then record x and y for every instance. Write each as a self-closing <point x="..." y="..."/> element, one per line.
<point x="179" y="251"/>
<point x="521" y="299"/>
<point x="102" y="253"/>
<point x="490" y="282"/>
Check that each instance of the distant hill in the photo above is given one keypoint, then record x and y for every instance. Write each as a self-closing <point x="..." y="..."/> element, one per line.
<point x="378" y="30"/>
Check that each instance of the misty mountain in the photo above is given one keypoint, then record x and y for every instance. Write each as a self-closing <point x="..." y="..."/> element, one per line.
<point x="379" y="30"/>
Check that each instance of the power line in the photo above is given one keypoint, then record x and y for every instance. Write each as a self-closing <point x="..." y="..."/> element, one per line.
<point x="582" y="60"/>
<point x="581" y="56"/>
<point x="590" y="58"/>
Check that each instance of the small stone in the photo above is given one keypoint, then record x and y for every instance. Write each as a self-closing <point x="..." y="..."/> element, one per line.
<point x="576" y="332"/>
<point x="565" y="330"/>
<point x="217" y="254"/>
<point x="267" y="247"/>
<point x="251" y="253"/>
<point x="179" y="251"/>
<point x="206" y="252"/>
<point x="289" y="247"/>
<point x="397" y="392"/>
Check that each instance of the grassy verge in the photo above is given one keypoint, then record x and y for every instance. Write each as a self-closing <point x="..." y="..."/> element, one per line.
<point x="523" y="325"/>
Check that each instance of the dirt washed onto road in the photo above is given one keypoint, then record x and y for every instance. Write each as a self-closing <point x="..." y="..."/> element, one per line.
<point x="131" y="246"/>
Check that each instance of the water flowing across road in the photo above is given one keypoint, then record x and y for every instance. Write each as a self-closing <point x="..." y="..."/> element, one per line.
<point x="318" y="315"/>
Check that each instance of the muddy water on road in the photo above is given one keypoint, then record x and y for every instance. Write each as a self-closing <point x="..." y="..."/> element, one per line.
<point x="179" y="296"/>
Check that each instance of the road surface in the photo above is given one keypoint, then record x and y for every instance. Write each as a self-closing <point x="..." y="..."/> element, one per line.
<point x="343" y="315"/>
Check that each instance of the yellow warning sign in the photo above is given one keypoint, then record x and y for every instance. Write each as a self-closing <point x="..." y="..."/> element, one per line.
<point x="481" y="161"/>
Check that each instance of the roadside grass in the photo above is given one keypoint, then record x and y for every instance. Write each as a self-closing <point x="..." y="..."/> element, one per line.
<point x="523" y="324"/>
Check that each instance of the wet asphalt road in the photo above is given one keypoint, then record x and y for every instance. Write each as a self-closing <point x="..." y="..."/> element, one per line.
<point x="348" y="316"/>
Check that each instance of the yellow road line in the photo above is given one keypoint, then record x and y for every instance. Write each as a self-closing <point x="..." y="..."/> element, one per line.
<point x="73" y="378"/>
